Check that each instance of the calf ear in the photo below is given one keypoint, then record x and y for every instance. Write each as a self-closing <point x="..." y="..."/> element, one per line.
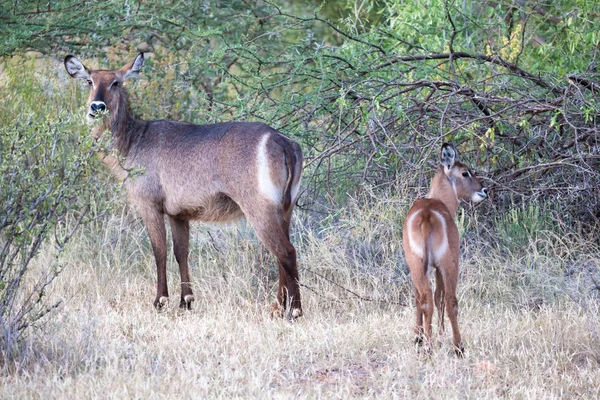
<point x="448" y="156"/>
<point x="75" y="68"/>
<point x="134" y="67"/>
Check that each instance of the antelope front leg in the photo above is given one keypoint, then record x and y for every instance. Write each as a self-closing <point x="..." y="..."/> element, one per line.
<point x="181" y="243"/>
<point x="155" y="224"/>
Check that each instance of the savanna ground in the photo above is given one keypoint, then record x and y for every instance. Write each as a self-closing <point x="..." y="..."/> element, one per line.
<point x="529" y="319"/>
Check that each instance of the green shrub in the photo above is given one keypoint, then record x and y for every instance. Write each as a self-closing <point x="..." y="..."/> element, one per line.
<point x="45" y="158"/>
<point x="520" y="226"/>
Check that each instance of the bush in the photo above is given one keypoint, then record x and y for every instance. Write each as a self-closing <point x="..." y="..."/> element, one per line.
<point x="46" y="175"/>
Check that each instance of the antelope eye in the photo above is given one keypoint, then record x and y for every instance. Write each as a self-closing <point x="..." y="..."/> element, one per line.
<point x="466" y="174"/>
<point x="116" y="84"/>
<point x="89" y="82"/>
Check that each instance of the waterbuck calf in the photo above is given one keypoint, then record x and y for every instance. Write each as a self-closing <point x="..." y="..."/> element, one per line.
<point x="212" y="173"/>
<point x="431" y="241"/>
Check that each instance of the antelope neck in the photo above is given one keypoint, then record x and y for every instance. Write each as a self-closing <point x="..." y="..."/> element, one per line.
<point x="125" y="128"/>
<point x="443" y="190"/>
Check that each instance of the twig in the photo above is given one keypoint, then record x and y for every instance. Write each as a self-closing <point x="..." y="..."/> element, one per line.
<point x="358" y="296"/>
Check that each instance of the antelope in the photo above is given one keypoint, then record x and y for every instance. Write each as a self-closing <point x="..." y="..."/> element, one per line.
<point x="431" y="241"/>
<point x="212" y="173"/>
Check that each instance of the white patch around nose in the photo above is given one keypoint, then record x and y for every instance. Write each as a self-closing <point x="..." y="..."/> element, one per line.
<point x="477" y="197"/>
<point x="439" y="249"/>
<point x="415" y="246"/>
<point x="95" y="114"/>
<point x="98" y="103"/>
<point x="265" y="183"/>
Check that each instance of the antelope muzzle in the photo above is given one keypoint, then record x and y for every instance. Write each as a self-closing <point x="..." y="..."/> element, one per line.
<point x="97" y="109"/>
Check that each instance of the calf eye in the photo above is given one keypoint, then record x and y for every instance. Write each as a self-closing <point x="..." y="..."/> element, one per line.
<point x="116" y="84"/>
<point x="89" y="82"/>
<point x="466" y="174"/>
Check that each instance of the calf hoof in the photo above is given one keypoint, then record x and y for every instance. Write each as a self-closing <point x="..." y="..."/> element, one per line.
<point x="186" y="302"/>
<point x="161" y="302"/>
<point x="419" y="340"/>
<point x="276" y="311"/>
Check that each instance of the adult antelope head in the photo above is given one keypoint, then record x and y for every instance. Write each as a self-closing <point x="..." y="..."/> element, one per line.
<point x="212" y="173"/>
<point x="431" y="241"/>
<point x="107" y="94"/>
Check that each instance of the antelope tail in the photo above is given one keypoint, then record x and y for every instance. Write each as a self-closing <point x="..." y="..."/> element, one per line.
<point x="290" y="161"/>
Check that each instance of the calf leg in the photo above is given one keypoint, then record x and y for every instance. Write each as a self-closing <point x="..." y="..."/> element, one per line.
<point x="450" y="277"/>
<point x="181" y="241"/>
<point x="424" y="303"/>
<point x="423" y="295"/>
<point x="155" y="224"/>
<point x="452" y="308"/>
<point x="419" y="314"/>
<point x="439" y="299"/>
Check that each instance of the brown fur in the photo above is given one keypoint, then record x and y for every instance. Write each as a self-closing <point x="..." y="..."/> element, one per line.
<point x="199" y="172"/>
<point x="431" y="239"/>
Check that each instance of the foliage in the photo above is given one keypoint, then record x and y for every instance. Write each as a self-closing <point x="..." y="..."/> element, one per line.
<point x="45" y="171"/>
<point x="521" y="224"/>
<point x="373" y="90"/>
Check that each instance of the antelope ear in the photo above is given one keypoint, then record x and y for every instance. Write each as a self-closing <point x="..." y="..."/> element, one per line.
<point x="133" y="68"/>
<point x="75" y="68"/>
<point x="448" y="156"/>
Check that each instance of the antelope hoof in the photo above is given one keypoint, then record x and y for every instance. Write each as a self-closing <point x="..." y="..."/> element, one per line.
<point x="460" y="351"/>
<point x="281" y="312"/>
<point x="186" y="302"/>
<point x="293" y="314"/>
<point x="161" y="302"/>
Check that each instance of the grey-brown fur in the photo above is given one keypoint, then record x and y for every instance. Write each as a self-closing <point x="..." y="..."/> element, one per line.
<point x="200" y="172"/>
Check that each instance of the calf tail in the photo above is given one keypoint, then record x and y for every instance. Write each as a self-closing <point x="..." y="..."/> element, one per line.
<point x="425" y="235"/>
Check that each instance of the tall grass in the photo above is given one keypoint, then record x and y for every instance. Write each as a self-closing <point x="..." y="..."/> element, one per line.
<point x="530" y="319"/>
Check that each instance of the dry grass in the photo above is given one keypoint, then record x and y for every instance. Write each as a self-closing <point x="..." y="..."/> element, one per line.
<point x="529" y="320"/>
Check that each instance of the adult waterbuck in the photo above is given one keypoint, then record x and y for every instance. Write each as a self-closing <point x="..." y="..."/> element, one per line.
<point x="211" y="173"/>
<point x="431" y="241"/>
